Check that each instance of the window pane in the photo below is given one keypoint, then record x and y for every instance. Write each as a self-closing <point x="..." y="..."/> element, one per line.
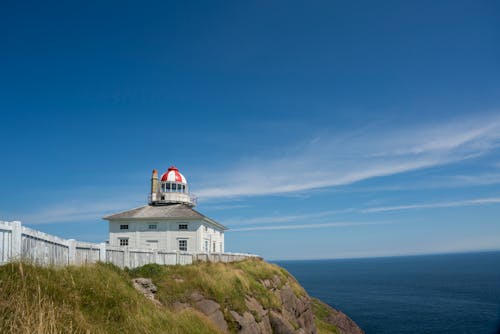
<point x="183" y="245"/>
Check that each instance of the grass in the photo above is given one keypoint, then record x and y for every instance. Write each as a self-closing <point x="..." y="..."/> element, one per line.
<point x="100" y="298"/>
<point x="87" y="299"/>
<point x="228" y="284"/>
<point x="321" y="311"/>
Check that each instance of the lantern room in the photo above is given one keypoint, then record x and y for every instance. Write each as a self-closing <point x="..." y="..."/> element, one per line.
<point x="171" y="188"/>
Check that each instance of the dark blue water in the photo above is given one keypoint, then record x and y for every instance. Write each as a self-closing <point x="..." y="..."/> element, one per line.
<point x="453" y="293"/>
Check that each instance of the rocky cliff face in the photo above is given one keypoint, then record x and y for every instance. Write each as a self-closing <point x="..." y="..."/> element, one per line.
<point x="279" y="305"/>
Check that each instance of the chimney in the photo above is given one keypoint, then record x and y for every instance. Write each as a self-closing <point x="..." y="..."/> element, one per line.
<point x="154" y="186"/>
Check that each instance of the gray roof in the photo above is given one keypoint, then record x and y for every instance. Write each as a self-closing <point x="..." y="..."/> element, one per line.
<point x="171" y="211"/>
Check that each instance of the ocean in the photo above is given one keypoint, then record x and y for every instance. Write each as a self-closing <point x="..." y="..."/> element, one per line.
<point x="452" y="293"/>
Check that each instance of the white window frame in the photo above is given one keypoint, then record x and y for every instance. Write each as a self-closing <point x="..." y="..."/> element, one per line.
<point x="124" y="226"/>
<point x="123" y="241"/>
<point x="185" y="241"/>
<point x="150" y="227"/>
<point x="183" y="228"/>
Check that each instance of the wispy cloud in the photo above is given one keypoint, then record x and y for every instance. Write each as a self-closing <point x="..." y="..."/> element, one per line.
<point x="285" y="218"/>
<point x="340" y="159"/>
<point x="74" y="211"/>
<point x="256" y="223"/>
<point x="304" y="226"/>
<point x="477" y="201"/>
<point x="224" y="207"/>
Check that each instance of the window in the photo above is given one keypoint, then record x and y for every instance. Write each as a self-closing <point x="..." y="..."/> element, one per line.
<point x="183" y="245"/>
<point x="206" y="228"/>
<point x="206" y="246"/>
<point x="123" y="242"/>
<point x="213" y="247"/>
<point x="183" y="227"/>
<point x="123" y="227"/>
<point x="152" y="226"/>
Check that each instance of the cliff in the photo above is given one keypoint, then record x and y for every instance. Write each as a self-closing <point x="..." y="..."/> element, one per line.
<point x="250" y="296"/>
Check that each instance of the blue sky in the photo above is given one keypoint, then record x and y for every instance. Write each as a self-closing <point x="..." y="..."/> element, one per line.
<point x="318" y="129"/>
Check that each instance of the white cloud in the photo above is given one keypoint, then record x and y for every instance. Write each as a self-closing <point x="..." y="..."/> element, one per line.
<point x="74" y="211"/>
<point x="338" y="159"/>
<point x="469" y="202"/>
<point x="224" y="207"/>
<point x="304" y="226"/>
<point x="285" y="218"/>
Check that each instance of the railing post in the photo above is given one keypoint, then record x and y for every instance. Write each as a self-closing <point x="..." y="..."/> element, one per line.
<point x="156" y="258"/>
<point x="71" y="251"/>
<point x="126" y="258"/>
<point x="102" y="252"/>
<point x="16" y="241"/>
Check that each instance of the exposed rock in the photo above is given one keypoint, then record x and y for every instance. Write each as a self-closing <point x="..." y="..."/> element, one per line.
<point x="147" y="288"/>
<point x="276" y="281"/>
<point x="298" y="310"/>
<point x="196" y="296"/>
<point x="265" y="325"/>
<point x="279" y="324"/>
<point x="209" y="308"/>
<point x="246" y="323"/>
<point x="254" y="306"/>
<point x="178" y="306"/>
<point x="273" y="283"/>
<point x="344" y="324"/>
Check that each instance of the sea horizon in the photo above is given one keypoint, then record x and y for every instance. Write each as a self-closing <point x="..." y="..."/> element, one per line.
<point x="386" y="256"/>
<point x="431" y="293"/>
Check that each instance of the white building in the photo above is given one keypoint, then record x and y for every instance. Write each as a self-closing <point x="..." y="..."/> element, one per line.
<point x="168" y="222"/>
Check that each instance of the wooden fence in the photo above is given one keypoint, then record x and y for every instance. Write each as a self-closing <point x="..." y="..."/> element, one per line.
<point x="18" y="242"/>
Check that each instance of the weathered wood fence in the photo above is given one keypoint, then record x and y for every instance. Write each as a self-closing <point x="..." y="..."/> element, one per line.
<point x="18" y="242"/>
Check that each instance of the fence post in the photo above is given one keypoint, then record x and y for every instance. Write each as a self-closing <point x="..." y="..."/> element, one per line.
<point x="156" y="258"/>
<point x="71" y="251"/>
<point x="16" y="241"/>
<point x="177" y="258"/>
<point x="102" y="252"/>
<point x="126" y="258"/>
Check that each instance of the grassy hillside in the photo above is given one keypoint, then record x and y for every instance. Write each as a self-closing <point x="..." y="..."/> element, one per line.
<point x="100" y="298"/>
<point x="227" y="284"/>
<point x="89" y="299"/>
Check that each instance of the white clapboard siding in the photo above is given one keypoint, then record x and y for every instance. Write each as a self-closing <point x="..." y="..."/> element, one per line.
<point x="18" y="242"/>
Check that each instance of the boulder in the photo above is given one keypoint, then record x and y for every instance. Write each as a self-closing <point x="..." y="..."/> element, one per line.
<point x="246" y="323"/>
<point x="298" y="309"/>
<point x="279" y="324"/>
<point x="147" y="288"/>
<point x="211" y="309"/>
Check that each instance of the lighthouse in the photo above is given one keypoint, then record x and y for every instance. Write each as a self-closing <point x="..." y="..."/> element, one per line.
<point x="168" y="222"/>
<point x="171" y="188"/>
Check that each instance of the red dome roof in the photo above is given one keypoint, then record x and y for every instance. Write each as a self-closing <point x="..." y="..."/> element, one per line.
<point x="173" y="175"/>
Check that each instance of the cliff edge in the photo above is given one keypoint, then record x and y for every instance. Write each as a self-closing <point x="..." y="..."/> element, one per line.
<point x="250" y="296"/>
